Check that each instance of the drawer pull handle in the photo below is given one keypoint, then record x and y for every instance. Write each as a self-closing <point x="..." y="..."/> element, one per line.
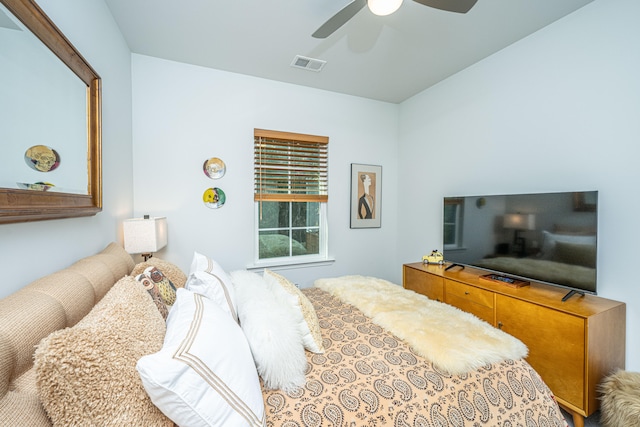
<point x="466" y="292"/>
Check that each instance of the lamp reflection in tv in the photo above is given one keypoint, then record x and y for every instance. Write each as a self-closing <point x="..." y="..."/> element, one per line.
<point x="519" y="222"/>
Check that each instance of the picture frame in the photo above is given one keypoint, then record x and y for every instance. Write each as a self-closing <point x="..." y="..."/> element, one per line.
<point x="366" y="196"/>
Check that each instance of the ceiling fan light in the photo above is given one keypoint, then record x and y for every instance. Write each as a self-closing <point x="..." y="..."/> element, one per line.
<point x="383" y="7"/>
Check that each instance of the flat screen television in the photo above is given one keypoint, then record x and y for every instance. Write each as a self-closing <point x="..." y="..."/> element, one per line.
<point x="545" y="237"/>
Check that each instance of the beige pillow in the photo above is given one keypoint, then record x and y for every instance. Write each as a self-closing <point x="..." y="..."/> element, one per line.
<point x="309" y="326"/>
<point x="86" y="374"/>
<point x="172" y="271"/>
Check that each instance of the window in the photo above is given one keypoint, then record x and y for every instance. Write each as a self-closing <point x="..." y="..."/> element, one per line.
<point x="452" y="229"/>
<point x="291" y="193"/>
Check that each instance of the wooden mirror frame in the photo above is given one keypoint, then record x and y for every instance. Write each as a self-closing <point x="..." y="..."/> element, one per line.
<point x="17" y="205"/>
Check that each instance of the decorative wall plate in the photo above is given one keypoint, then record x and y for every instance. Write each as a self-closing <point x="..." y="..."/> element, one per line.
<point x="38" y="186"/>
<point x="214" y="198"/>
<point x="42" y="158"/>
<point x="214" y="168"/>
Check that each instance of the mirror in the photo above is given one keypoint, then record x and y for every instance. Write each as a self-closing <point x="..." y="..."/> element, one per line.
<point x="52" y="132"/>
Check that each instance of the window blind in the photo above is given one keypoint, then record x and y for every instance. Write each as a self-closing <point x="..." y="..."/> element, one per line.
<point x="290" y="167"/>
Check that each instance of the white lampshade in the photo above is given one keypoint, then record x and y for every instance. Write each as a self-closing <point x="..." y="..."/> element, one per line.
<point x="384" y="7"/>
<point x="520" y="221"/>
<point x="145" y="235"/>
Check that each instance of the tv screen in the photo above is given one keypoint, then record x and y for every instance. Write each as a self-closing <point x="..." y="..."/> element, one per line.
<point x="546" y="237"/>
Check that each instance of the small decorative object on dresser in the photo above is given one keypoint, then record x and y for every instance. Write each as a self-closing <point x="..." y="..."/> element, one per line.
<point x="434" y="257"/>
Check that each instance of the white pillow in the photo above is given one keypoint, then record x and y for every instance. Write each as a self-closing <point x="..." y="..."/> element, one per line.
<point x="204" y="374"/>
<point x="308" y="319"/>
<point x="272" y="331"/>
<point x="549" y="241"/>
<point x="214" y="288"/>
<point x="206" y="277"/>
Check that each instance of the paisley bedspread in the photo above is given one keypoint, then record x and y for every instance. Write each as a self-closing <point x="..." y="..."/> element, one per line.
<point x="368" y="377"/>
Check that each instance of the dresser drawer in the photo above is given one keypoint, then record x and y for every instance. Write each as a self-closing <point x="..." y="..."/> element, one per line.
<point x="428" y="285"/>
<point x="481" y="311"/>
<point x="468" y="293"/>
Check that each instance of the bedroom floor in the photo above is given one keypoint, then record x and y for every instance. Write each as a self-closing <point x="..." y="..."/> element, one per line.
<point x="592" y="421"/>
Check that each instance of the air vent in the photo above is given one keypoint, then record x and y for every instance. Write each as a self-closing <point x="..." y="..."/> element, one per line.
<point x="310" y="64"/>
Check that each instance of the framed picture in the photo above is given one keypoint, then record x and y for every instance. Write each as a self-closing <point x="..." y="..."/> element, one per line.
<point x="366" y="189"/>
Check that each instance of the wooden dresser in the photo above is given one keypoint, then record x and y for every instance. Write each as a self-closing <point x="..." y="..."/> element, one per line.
<point x="572" y="344"/>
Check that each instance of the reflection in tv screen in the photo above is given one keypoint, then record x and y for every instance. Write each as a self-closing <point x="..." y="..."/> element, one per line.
<point x="546" y="237"/>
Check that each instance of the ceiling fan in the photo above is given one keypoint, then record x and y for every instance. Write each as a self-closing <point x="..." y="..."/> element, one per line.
<point x="385" y="7"/>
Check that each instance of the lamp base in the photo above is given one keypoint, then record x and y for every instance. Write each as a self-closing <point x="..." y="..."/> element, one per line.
<point x="146" y="256"/>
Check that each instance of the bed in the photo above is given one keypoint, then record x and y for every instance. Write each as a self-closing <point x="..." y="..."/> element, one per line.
<point x="366" y="354"/>
<point x="369" y="377"/>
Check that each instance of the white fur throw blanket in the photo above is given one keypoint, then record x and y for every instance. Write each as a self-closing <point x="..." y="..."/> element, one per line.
<point x="453" y="340"/>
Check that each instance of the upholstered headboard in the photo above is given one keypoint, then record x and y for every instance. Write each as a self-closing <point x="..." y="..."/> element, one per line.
<point x="53" y="302"/>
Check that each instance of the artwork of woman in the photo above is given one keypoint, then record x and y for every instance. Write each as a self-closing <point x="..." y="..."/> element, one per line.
<point x="366" y="196"/>
<point x="366" y="207"/>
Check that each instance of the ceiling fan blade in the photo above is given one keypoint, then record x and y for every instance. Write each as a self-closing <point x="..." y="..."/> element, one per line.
<point x="339" y="19"/>
<point x="460" y="6"/>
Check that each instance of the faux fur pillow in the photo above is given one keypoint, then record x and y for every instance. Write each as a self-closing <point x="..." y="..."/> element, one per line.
<point x="272" y="332"/>
<point x="86" y="375"/>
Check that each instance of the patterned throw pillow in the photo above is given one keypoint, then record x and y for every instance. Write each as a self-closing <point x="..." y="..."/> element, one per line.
<point x="153" y="290"/>
<point x="309" y="326"/>
<point x="165" y="286"/>
<point x="169" y="269"/>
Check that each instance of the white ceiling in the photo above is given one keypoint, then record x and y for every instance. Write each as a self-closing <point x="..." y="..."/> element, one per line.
<point x="385" y="58"/>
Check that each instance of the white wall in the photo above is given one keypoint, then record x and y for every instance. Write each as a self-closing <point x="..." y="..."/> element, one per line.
<point x="184" y="115"/>
<point x="31" y="250"/>
<point x="557" y="111"/>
